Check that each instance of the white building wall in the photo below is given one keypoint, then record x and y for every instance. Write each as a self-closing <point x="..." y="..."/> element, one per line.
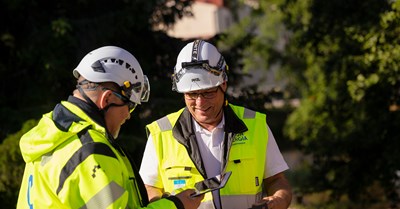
<point x="207" y="21"/>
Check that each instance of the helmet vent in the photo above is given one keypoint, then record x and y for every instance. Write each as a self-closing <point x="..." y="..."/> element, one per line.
<point x="98" y="67"/>
<point x="116" y="65"/>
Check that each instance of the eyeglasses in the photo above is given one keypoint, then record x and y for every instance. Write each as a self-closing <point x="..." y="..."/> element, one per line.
<point x="131" y="105"/>
<point x="202" y="64"/>
<point x="206" y="95"/>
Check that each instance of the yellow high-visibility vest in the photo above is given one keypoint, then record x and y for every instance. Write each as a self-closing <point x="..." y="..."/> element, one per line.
<point x="180" y="164"/>
<point x="71" y="164"/>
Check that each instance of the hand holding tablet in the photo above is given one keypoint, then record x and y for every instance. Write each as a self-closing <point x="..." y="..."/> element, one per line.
<point x="211" y="184"/>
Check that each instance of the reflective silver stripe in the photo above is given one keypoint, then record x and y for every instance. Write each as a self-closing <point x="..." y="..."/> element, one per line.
<point x="105" y="197"/>
<point x="196" y="50"/>
<point x="240" y="201"/>
<point x="249" y="113"/>
<point x="164" y="124"/>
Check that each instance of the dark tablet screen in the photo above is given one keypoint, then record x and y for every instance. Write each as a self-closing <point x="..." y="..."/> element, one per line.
<point x="211" y="184"/>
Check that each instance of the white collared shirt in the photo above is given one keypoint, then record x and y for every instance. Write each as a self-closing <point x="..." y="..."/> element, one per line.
<point x="211" y="146"/>
<point x="211" y="150"/>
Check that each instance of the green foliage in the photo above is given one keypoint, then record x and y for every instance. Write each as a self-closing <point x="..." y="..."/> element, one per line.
<point x="349" y="58"/>
<point x="343" y="61"/>
<point x="257" y="37"/>
<point x="12" y="166"/>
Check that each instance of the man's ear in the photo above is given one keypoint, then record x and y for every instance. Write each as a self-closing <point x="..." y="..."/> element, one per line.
<point x="104" y="99"/>
<point x="224" y="86"/>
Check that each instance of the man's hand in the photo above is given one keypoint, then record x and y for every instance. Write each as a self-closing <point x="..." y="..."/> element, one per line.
<point x="279" y="191"/>
<point x="190" y="202"/>
<point x="275" y="202"/>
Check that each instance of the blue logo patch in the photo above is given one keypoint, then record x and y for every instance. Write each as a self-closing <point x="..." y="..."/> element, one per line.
<point x="179" y="183"/>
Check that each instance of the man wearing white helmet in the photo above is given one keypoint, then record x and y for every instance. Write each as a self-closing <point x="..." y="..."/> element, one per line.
<point x="210" y="137"/>
<point x="73" y="159"/>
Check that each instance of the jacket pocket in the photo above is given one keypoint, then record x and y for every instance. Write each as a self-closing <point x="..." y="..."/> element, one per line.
<point x="244" y="178"/>
<point x="178" y="176"/>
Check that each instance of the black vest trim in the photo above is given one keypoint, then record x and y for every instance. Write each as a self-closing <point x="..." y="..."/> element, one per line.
<point x="87" y="149"/>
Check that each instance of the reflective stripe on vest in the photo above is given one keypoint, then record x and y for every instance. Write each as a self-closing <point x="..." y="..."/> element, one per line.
<point x="105" y="197"/>
<point x="246" y="160"/>
<point x="164" y="124"/>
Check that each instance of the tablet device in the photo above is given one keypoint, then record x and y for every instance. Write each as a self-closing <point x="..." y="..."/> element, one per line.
<point x="211" y="184"/>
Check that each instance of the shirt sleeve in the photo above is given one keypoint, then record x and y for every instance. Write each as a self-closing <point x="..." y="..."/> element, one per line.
<point x="274" y="162"/>
<point x="149" y="167"/>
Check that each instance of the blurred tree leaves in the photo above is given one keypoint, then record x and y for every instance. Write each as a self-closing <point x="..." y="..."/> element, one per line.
<point x="12" y="166"/>
<point x="342" y="60"/>
<point x="349" y="68"/>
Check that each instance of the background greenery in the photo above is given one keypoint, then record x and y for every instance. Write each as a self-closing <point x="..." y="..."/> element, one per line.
<point x="340" y="58"/>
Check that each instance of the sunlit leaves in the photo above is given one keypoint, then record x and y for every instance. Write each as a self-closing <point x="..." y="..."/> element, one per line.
<point x="358" y="87"/>
<point x="350" y="56"/>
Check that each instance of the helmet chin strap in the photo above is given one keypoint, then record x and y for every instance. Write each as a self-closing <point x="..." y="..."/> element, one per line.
<point x="225" y="97"/>
<point x="225" y="102"/>
<point x="88" y="100"/>
<point x="101" y="111"/>
<point x="92" y="104"/>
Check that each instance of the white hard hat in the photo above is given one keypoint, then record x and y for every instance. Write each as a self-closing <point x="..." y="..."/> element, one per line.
<point x="114" y="64"/>
<point x="199" y="66"/>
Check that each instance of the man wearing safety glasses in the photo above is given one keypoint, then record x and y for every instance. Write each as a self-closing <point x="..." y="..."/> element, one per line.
<point x="73" y="159"/>
<point x="210" y="137"/>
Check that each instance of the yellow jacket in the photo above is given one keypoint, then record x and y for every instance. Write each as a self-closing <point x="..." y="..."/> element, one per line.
<point x="181" y="166"/>
<point x="72" y="163"/>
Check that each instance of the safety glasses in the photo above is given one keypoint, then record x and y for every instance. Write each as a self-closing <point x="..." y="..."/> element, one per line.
<point x="146" y="90"/>
<point x="131" y="105"/>
<point x="202" y="64"/>
<point x="136" y="88"/>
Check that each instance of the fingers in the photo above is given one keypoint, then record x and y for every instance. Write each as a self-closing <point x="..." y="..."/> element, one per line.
<point x="274" y="202"/>
<point x="188" y="201"/>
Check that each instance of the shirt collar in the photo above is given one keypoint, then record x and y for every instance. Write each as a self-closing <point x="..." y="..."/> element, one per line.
<point x="199" y="129"/>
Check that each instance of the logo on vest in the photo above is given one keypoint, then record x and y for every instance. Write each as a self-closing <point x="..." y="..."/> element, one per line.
<point x="239" y="139"/>
<point x="179" y="183"/>
<point x="95" y="168"/>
